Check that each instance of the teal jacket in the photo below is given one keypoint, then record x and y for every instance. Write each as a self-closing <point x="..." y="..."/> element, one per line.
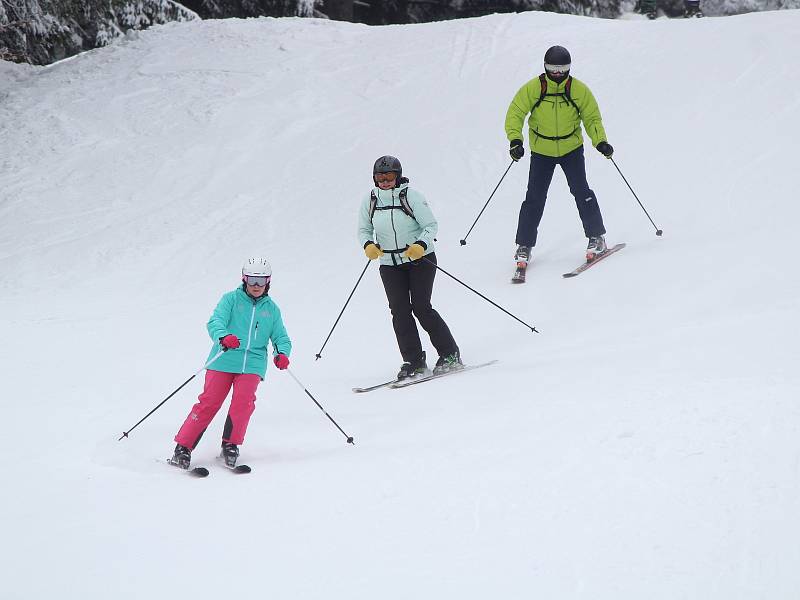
<point x="393" y="229"/>
<point x="255" y="323"/>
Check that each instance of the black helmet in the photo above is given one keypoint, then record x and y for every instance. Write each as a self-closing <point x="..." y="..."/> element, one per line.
<point x="557" y="55"/>
<point x="387" y="164"/>
<point x="557" y="62"/>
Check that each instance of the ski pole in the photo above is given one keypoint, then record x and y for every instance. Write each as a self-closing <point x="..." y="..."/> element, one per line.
<point x="349" y="438"/>
<point x="464" y="241"/>
<point x="658" y="231"/>
<point x="205" y="366"/>
<point x="319" y="354"/>
<point x="533" y="329"/>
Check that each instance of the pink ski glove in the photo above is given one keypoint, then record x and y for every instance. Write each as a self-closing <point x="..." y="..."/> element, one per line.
<point x="281" y="361"/>
<point x="229" y="341"/>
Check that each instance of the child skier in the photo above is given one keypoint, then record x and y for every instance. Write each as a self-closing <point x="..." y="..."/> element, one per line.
<point x="243" y="323"/>
<point x="396" y="225"/>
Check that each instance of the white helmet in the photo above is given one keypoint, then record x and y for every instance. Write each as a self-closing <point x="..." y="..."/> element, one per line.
<point x="257" y="267"/>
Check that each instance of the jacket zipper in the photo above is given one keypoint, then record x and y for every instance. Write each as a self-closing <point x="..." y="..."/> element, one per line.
<point x="555" y="111"/>
<point x="249" y="330"/>
<point x="396" y="243"/>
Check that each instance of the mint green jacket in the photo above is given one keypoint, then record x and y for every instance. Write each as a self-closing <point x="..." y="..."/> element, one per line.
<point x="394" y="229"/>
<point x="256" y="322"/>
<point x="555" y="117"/>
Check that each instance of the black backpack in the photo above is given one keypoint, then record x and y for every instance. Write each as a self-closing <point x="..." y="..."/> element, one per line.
<point x="404" y="205"/>
<point x="565" y="94"/>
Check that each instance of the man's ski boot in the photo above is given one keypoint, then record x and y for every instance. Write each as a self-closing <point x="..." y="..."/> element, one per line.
<point x="413" y="369"/>
<point x="597" y="245"/>
<point x="182" y="457"/>
<point x="522" y="257"/>
<point x="450" y="362"/>
<point x="230" y="452"/>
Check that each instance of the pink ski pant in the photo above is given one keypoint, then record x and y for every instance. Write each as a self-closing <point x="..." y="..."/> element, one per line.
<point x="216" y="389"/>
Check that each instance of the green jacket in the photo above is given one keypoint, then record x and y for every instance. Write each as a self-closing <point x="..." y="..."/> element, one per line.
<point x="393" y="229"/>
<point x="256" y="323"/>
<point x="555" y="117"/>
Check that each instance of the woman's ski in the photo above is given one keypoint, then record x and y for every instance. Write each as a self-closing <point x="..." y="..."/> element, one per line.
<point x="408" y="382"/>
<point x="361" y="390"/>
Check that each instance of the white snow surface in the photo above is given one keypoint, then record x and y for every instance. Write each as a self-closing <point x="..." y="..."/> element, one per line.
<point x="643" y="445"/>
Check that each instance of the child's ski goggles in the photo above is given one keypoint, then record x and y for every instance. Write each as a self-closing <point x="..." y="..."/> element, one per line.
<point x="257" y="280"/>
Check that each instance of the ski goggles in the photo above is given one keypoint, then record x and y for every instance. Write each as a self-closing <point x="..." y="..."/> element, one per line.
<point x="257" y="280"/>
<point x="385" y="177"/>
<point x="556" y="69"/>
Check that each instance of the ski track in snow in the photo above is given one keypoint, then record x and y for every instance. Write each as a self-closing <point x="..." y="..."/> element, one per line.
<point x="644" y="445"/>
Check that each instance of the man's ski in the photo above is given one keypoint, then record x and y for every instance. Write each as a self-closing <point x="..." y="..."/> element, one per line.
<point x="361" y="390"/>
<point x="597" y="259"/>
<point x="519" y="274"/>
<point x="196" y="471"/>
<point x="522" y="257"/>
<point x="408" y="382"/>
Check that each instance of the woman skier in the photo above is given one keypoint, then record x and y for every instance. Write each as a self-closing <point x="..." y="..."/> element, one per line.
<point x="242" y="325"/>
<point x="396" y="225"/>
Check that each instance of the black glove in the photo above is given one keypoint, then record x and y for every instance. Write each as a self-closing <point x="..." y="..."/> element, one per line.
<point x="517" y="150"/>
<point x="605" y="149"/>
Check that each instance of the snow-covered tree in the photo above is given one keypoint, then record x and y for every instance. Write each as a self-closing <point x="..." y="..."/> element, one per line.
<point x="43" y="31"/>
<point x="219" y="9"/>
<point x="735" y="7"/>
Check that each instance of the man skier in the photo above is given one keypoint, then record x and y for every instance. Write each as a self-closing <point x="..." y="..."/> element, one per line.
<point x="556" y="104"/>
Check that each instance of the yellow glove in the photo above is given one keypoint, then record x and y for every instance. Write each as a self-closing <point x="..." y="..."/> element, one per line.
<point x="373" y="251"/>
<point x="414" y="251"/>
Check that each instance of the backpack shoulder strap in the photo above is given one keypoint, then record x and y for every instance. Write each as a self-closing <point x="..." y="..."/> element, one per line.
<point x="373" y="202"/>
<point x="568" y="94"/>
<point x="404" y="203"/>
<point x="542" y="92"/>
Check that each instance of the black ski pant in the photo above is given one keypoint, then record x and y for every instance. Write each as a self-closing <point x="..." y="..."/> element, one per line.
<point x="539" y="178"/>
<point x="408" y="288"/>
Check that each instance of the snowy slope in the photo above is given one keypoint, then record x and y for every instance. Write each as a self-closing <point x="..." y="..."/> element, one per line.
<point x="644" y="445"/>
